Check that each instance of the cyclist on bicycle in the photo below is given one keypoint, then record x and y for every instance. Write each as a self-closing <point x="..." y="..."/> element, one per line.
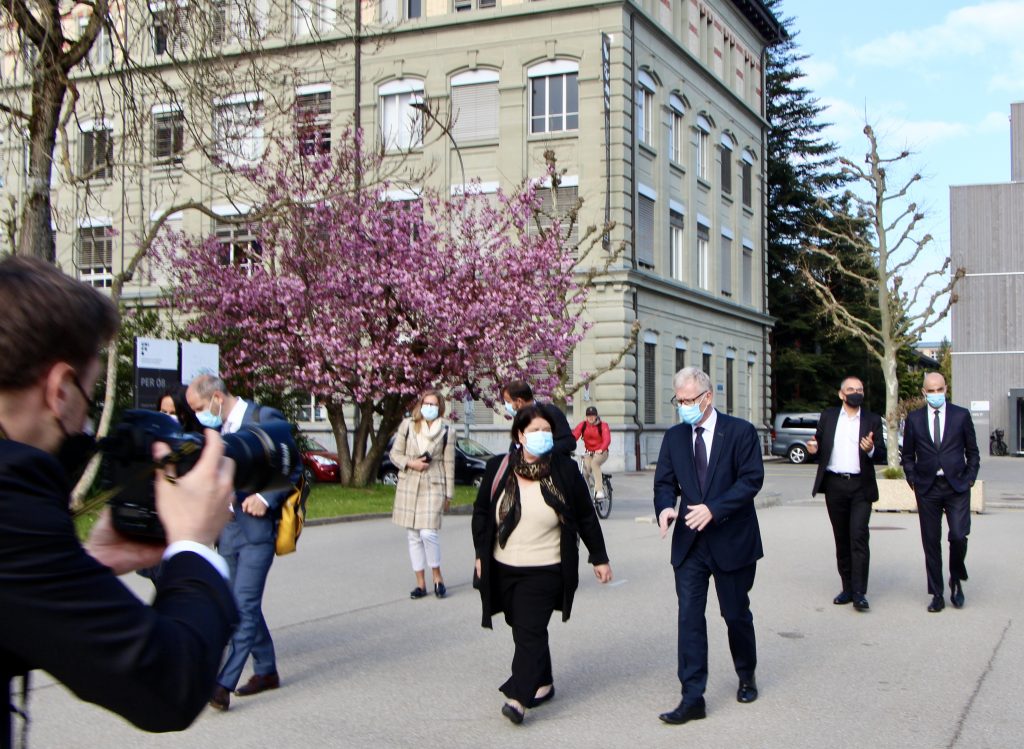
<point x="597" y="435"/>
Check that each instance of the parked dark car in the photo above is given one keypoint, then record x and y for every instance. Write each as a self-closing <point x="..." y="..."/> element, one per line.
<point x="318" y="463"/>
<point x="470" y="461"/>
<point x="790" y="434"/>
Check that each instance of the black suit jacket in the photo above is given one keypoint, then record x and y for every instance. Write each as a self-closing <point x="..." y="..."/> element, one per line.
<point x="958" y="455"/>
<point x="735" y="475"/>
<point x="826" y="435"/>
<point x="65" y="613"/>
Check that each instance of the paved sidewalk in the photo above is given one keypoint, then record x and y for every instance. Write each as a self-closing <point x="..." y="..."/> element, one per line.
<point x="364" y="666"/>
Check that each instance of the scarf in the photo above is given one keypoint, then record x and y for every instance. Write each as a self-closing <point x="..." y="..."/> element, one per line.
<point x="510" y="507"/>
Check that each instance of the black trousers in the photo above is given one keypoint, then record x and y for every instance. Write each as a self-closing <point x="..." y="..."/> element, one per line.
<point x="849" y="510"/>
<point x="528" y="597"/>
<point x="941" y="498"/>
<point x="733" y="589"/>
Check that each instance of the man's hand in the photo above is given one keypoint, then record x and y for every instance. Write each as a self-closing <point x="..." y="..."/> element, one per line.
<point x="665" y="519"/>
<point x="698" y="517"/>
<point x="195" y="506"/>
<point x="254" y="505"/>
<point x="867" y="442"/>
<point x="603" y="572"/>
<point x="121" y="554"/>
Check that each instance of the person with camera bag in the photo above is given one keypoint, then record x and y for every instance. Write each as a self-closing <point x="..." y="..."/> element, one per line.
<point x="424" y="453"/>
<point x="62" y="608"/>
<point x="247" y="543"/>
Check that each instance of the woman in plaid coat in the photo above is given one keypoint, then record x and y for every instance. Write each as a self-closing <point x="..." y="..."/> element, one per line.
<point x="424" y="453"/>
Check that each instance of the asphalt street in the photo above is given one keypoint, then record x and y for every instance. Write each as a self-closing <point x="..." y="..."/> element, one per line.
<point x="362" y="665"/>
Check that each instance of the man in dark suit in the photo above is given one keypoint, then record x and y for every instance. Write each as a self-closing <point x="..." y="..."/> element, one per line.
<point x="518" y="394"/>
<point x="941" y="462"/>
<point x="849" y="441"/>
<point x="247" y="543"/>
<point x="714" y="462"/>
<point x="62" y="608"/>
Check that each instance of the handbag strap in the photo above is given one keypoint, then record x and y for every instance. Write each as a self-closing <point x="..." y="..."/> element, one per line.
<point x="496" y="483"/>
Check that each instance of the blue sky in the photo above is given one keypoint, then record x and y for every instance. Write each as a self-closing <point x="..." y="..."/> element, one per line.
<point x="935" y="77"/>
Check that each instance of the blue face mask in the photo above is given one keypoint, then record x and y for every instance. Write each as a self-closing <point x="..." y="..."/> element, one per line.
<point x="538" y="443"/>
<point x="207" y="418"/>
<point x="935" y="400"/>
<point x="428" y="411"/>
<point x="510" y="409"/>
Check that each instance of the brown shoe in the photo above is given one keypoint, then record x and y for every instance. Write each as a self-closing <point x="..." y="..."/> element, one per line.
<point x="259" y="683"/>
<point x="221" y="699"/>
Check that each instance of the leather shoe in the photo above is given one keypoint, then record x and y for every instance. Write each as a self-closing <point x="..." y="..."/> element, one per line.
<point x="684" y="713"/>
<point x="221" y="699"/>
<point x="938" y="604"/>
<point x="747" y="691"/>
<point x="842" y="598"/>
<point x="956" y="593"/>
<point x="860" y="602"/>
<point x="259" y="683"/>
<point x="417" y="593"/>
<point x="440" y="590"/>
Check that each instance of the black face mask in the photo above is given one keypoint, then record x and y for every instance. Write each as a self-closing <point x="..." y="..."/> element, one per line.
<point x="74" y="454"/>
<point x="854" y="399"/>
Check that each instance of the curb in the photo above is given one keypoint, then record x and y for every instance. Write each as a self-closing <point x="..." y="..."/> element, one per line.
<point x="457" y="510"/>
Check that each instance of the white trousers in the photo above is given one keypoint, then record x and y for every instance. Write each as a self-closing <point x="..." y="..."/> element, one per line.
<point x="424" y="549"/>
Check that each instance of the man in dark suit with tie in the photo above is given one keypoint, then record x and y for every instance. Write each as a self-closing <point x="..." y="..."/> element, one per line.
<point x="714" y="462"/>
<point x="62" y="608"/>
<point x="941" y="461"/>
<point x="849" y="441"/>
<point x="247" y="543"/>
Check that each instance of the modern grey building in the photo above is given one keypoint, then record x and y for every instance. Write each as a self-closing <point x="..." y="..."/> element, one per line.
<point x="987" y="239"/>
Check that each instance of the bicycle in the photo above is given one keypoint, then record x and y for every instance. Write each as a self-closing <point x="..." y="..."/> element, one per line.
<point x="602" y="505"/>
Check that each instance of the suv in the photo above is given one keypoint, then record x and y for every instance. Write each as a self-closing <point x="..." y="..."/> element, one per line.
<point x="790" y="435"/>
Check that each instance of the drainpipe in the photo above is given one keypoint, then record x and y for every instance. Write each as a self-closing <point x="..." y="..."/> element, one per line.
<point x="765" y="416"/>
<point x="632" y="234"/>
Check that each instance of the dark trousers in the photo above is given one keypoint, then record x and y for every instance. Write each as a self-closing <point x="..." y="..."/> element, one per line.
<point x="733" y="590"/>
<point x="849" y="510"/>
<point x="938" y="499"/>
<point x="528" y="597"/>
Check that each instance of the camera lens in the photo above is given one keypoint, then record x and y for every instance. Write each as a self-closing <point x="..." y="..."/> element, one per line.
<point x="264" y="456"/>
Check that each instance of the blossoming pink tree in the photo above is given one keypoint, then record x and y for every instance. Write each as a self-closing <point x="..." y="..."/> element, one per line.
<point x="364" y="302"/>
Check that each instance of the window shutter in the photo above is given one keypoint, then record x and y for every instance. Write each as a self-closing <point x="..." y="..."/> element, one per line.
<point x="650" y="384"/>
<point x="475" y="111"/>
<point x="726" y="265"/>
<point x="645" y="231"/>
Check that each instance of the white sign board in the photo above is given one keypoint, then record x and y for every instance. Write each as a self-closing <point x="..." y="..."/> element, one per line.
<point x="199" y="358"/>
<point x="979" y="406"/>
<point x="156" y="353"/>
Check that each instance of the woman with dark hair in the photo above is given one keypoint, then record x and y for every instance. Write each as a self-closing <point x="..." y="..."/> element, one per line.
<point x="172" y="402"/>
<point x="532" y="508"/>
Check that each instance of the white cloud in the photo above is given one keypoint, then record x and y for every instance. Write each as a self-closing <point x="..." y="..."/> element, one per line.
<point x="994" y="122"/>
<point x="817" y="73"/>
<point x="966" y="31"/>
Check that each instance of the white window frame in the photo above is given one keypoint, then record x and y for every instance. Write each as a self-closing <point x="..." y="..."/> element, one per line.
<point x="313" y="17"/>
<point x="568" y="73"/>
<point x="728" y="145"/>
<point x="644" y="93"/>
<point x="238" y="119"/>
<point x="677" y="131"/>
<point x="167" y="13"/>
<point x="100" y="276"/>
<point x="162" y="115"/>
<point x="747" y="179"/>
<point x="703" y="146"/>
<point x="400" y="124"/>
<point x="677" y="240"/>
<point x="233" y="236"/>
<point x="703" y="251"/>
<point x="88" y="131"/>
<point x="314" y="94"/>
<point x="101" y="53"/>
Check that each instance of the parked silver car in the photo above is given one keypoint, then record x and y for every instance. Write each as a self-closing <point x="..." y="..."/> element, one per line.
<point x="790" y="435"/>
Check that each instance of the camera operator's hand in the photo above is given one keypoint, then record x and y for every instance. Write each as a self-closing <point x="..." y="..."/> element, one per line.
<point x="121" y="554"/>
<point x="254" y="505"/>
<point x="195" y="506"/>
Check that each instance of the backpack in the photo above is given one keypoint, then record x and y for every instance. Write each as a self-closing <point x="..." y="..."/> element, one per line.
<point x="293" y="512"/>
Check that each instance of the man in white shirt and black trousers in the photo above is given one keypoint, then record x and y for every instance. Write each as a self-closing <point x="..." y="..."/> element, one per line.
<point x="849" y="440"/>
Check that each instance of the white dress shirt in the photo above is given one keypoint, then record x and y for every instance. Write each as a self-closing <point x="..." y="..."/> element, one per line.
<point x="708" y="434"/>
<point x="845" y="457"/>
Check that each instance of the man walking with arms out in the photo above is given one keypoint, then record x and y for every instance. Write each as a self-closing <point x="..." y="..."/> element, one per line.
<point x="713" y="461"/>
<point x="941" y="462"/>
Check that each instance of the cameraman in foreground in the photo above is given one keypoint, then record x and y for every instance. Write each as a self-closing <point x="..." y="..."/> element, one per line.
<point x="62" y="608"/>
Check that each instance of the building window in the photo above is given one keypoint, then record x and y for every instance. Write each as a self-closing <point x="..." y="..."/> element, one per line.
<point x="557" y="205"/>
<point x="701" y="256"/>
<point x="238" y="129"/>
<point x="475" y="106"/>
<point x="705" y="362"/>
<point x="680" y="355"/>
<point x="701" y="155"/>
<point x="645" y="231"/>
<point x="748" y="272"/>
<point x="313" y="118"/>
<point x="676" y="133"/>
<point x="313" y="17"/>
<point x="750" y="390"/>
<point x="239" y="246"/>
<point x="102" y="51"/>
<point x="170" y="34"/>
<point x="413" y="8"/>
<point x="650" y="382"/>
<point x="554" y="97"/>
<point x="464" y="5"/>
<point x="727" y="146"/>
<point x="401" y="123"/>
<point x="644" y="93"/>
<point x="95" y="255"/>
<point x="168" y="137"/>
<point x="97" y="153"/>
<point x="747" y="175"/>
<point x="676" y="241"/>
<point x="730" y="368"/>
<point x="725" y="265"/>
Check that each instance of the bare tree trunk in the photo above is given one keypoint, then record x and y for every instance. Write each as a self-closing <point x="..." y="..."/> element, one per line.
<point x="36" y="236"/>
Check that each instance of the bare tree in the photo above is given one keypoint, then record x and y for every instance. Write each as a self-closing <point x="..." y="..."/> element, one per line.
<point x="880" y="258"/>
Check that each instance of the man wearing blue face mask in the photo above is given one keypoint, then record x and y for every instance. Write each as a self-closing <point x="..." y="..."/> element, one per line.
<point x="941" y="461"/>
<point x="517" y="395"/>
<point x="714" y="462"/>
<point x="247" y="543"/>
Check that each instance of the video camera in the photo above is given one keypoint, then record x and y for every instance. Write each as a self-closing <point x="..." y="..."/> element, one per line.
<point x="264" y="454"/>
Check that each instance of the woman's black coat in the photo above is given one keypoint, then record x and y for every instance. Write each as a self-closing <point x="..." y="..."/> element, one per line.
<point x="578" y="521"/>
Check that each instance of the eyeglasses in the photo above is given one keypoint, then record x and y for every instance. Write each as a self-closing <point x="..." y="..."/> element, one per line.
<point x="93" y="407"/>
<point x="688" y="401"/>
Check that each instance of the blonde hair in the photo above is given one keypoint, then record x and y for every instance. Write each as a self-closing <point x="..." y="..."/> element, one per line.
<point x="417" y="416"/>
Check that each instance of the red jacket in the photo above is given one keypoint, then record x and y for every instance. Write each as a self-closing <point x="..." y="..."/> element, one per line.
<point x="594" y="440"/>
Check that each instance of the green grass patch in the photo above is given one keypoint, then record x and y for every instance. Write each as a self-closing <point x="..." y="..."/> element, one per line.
<point x="334" y="500"/>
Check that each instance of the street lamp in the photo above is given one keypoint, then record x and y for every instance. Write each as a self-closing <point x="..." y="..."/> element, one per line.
<point x="423" y="107"/>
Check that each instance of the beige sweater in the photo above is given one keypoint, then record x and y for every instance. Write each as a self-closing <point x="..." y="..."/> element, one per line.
<point x="536" y="540"/>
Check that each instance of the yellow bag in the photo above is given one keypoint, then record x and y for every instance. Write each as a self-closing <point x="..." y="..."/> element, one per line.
<point x="293" y="517"/>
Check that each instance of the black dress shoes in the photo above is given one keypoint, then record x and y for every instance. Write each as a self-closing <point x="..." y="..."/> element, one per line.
<point x="860" y="602"/>
<point x="221" y="698"/>
<point x="956" y="593"/>
<point x="842" y="598"/>
<point x="747" y="691"/>
<point x="938" y="604"/>
<point x="684" y="713"/>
